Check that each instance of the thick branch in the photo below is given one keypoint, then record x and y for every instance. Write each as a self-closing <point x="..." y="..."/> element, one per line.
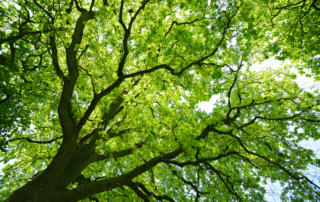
<point x="76" y="41"/>
<point x="138" y="185"/>
<point x="54" y="56"/>
<point x="111" y="183"/>
<point x="118" y="154"/>
<point x="67" y="121"/>
<point x="136" y="189"/>
<point x="95" y="101"/>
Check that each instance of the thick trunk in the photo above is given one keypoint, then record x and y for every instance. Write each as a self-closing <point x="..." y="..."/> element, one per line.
<point x="49" y="185"/>
<point x="43" y="188"/>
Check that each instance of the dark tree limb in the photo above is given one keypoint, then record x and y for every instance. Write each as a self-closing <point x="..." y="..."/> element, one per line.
<point x="143" y="188"/>
<point x="91" y="79"/>
<point x="78" y="6"/>
<point x="35" y="141"/>
<point x="138" y="192"/>
<point x="91" y="5"/>
<point x="202" y="160"/>
<point x="230" y="89"/>
<point x="44" y="10"/>
<point x="112" y="183"/>
<point x="83" y="51"/>
<point x="118" y="154"/>
<point x="95" y="101"/>
<point x="127" y="32"/>
<point x="54" y="56"/>
<point x="21" y="35"/>
<point x="225" y="182"/>
<point x="67" y="121"/>
<point x="182" y="23"/>
<point x="190" y="183"/>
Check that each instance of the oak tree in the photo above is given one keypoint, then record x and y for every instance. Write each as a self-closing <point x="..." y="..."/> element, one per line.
<point x="99" y="101"/>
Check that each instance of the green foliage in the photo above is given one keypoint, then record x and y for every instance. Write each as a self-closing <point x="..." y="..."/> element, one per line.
<point x="294" y="35"/>
<point x="101" y="98"/>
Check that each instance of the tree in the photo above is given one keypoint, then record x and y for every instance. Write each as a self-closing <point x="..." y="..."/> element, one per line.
<point x="103" y="104"/>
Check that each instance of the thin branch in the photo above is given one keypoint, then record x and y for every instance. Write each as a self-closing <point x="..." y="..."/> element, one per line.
<point x="91" y="79"/>
<point x="44" y="10"/>
<point x="224" y="32"/>
<point x="35" y="141"/>
<point x="231" y="87"/>
<point x="290" y="5"/>
<point x="127" y="35"/>
<point x="201" y="160"/>
<point x="292" y="175"/>
<point x="120" y="16"/>
<point x="223" y="180"/>
<point x="190" y="183"/>
<point x="21" y="35"/>
<point x="82" y="52"/>
<point x="181" y="23"/>
<point x="163" y="66"/>
<point x="311" y="120"/>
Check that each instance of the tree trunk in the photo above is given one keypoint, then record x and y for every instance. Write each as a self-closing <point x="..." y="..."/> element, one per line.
<point x="51" y="183"/>
<point x="43" y="188"/>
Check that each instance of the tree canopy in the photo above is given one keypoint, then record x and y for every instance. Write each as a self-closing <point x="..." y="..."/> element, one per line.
<point x="99" y="100"/>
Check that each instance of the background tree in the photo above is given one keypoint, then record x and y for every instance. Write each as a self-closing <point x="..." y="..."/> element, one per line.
<point x="110" y="90"/>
